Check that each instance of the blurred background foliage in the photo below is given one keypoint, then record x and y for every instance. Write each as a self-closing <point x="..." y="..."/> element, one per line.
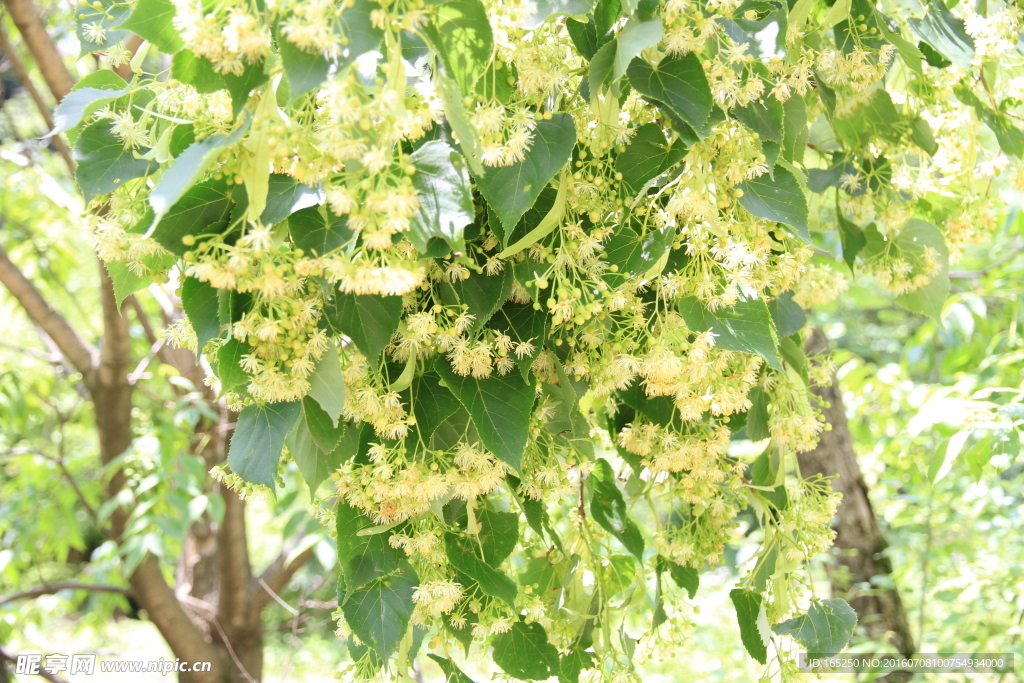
<point x="934" y="409"/>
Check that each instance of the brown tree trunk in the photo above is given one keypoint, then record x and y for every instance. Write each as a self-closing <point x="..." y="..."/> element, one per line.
<point x="213" y="613"/>
<point x="858" y="554"/>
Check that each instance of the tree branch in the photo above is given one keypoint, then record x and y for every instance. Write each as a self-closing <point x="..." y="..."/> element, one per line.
<point x="43" y="107"/>
<point x="277" y="574"/>
<point x="982" y="272"/>
<point x="47" y="58"/>
<point x="59" y="461"/>
<point x="43" y="673"/>
<point x="51" y="588"/>
<point x="83" y="355"/>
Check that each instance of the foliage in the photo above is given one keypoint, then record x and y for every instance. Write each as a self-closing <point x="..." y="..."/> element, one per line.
<point x="498" y="236"/>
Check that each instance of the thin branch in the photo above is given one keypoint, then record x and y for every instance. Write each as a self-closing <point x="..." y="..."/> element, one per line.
<point x="43" y="673"/>
<point x="30" y="87"/>
<point x="144" y="363"/>
<point x="83" y="355"/>
<point x="277" y="598"/>
<point x="39" y="43"/>
<point x="59" y="461"/>
<point x="279" y="572"/>
<point x="207" y="613"/>
<point x="51" y="588"/>
<point x="982" y="272"/>
<point x="48" y="357"/>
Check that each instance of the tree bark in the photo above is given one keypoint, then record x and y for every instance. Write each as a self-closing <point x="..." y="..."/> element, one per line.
<point x="214" y="613"/>
<point x="858" y="552"/>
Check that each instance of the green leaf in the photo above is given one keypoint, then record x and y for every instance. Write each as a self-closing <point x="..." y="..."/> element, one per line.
<point x="745" y="327"/>
<point x="686" y="578"/>
<point x="826" y="628"/>
<point x="484" y="294"/>
<point x="932" y="56"/>
<point x="676" y="83"/>
<point x="601" y="66"/>
<point x="461" y="33"/>
<point x="540" y="574"/>
<point x="1010" y="138"/>
<point x="199" y="299"/>
<point x="636" y="256"/>
<point x="498" y="534"/>
<point x="524" y="652"/>
<point x="458" y="118"/>
<point x="748" y="606"/>
<point x="757" y="416"/>
<point x="452" y="673"/>
<point x="320" y="425"/>
<point x="153" y="20"/>
<point x="462" y="557"/>
<point x="511" y="190"/>
<point x="584" y="37"/>
<point x="568" y="415"/>
<point x="914" y="238"/>
<point x="315" y="230"/>
<point x="355" y="26"/>
<point x="369" y="320"/>
<point x="764" y="117"/>
<point x="379" y="612"/>
<point x="102" y="23"/>
<point x="634" y="38"/>
<point x="363" y="559"/>
<point x="183" y="174"/>
<point x="446" y="203"/>
<point x="432" y="403"/>
<point x="204" y="208"/>
<point x="259" y="436"/>
<point x="326" y="385"/>
<point x="909" y="52"/>
<point x="787" y="315"/>
<point x="647" y="155"/>
<point x="198" y="72"/>
<point x="304" y="443"/>
<point x="794" y="129"/>
<point x="103" y="163"/>
<point x="945" y="33"/>
<point x="922" y="136"/>
<point x="545" y="9"/>
<point x="777" y="198"/>
<point x="608" y="507"/>
<point x="572" y="664"/>
<point x="853" y="240"/>
<point x="305" y="71"/>
<point x="285" y="196"/>
<point x="82" y="102"/>
<point x="126" y="282"/>
<point x="500" y="408"/>
<point x="229" y="369"/>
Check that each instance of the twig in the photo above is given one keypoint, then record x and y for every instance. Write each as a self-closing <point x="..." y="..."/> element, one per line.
<point x="49" y="358"/>
<point x="59" y="461"/>
<point x="211" y="617"/>
<point x="43" y="673"/>
<point x="50" y="589"/>
<point x="277" y="598"/>
<point x="41" y="105"/>
<point x="231" y="651"/>
<point x="982" y="272"/>
<point x="144" y="363"/>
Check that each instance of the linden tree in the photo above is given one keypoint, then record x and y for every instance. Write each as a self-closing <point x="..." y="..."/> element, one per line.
<point x="516" y="278"/>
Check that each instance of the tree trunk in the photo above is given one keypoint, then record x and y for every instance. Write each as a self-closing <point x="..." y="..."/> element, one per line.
<point x="858" y="553"/>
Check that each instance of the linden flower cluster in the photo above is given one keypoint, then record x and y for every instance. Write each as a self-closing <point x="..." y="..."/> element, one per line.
<point x="231" y="37"/>
<point x="599" y="317"/>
